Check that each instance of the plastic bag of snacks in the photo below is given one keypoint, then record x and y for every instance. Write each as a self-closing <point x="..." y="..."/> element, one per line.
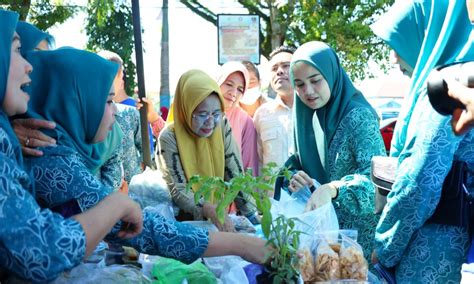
<point x="331" y="256"/>
<point x="351" y="259"/>
<point x="326" y="262"/>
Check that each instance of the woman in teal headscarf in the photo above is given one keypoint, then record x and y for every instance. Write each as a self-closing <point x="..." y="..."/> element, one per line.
<point x="109" y="168"/>
<point x="33" y="38"/>
<point x="336" y="135"/>
<point x="37" y="244"/>
<point x="419" y="250"/>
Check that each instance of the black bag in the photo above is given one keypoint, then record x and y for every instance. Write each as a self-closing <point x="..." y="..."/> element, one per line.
<point x="387" y="274"/>
<point x="455" y="205"/>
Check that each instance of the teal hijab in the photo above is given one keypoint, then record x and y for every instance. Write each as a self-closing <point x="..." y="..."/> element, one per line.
<point x="31" y="36"/>
<point x="8" y="21"/>
<point x="444" y="35"/>
<point x="404" y="26"/>
<point x="344" y="98"/>
<point x="70" y="87"/>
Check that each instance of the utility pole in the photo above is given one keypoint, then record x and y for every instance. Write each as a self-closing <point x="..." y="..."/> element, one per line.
<point x="137" y="32"/>
<point x="165" y="62"/>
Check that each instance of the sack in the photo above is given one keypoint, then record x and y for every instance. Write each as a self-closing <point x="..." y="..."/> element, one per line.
<point x="149" y="189"/>
<point x="382" y="174"/>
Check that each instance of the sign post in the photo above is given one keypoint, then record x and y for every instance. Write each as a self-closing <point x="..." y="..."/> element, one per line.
<point x="238" y="38"/>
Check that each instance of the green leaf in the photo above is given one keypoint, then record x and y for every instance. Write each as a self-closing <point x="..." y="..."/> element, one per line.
<point x="266" y="223"/>
<point x="221" y="212"/>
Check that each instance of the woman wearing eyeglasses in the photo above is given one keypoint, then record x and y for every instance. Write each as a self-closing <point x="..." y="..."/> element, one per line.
<point x="198" y="141"/>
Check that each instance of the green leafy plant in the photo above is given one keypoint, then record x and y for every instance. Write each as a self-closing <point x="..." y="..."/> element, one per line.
<point x="285" y="238"/>
<point x="280" y="233"/>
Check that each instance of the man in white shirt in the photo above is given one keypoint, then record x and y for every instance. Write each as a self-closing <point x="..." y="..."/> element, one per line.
<point x="273" y="120"/>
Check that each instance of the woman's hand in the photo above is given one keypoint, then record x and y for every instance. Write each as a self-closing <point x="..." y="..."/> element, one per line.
<point x="300" y="180"/>
<point x="250" y="248"/>
<point x="152" y="115"/>
<point x="123" y="187"/>
<point x="256" y="250"/>
<point x="374" y="258"/>
<point x="132" y="216"/>
<point x="30" y="137"/>
<point x="209" y="212"/>
<point x="462" y="120"/>
<point x="321" y="196"/>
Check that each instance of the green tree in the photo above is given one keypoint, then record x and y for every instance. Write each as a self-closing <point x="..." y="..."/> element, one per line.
<point x="42" y="13"/>
<point x="109" y="26"/>
<point x="343" y="24"/>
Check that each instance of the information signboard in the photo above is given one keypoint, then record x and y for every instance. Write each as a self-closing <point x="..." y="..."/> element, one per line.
<point x="238" y="38"/>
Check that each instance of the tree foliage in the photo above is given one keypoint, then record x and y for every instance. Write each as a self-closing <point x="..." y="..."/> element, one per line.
<point x="343" y="24"/>
<point x="109" y="27"/>
<point x="42" y="13"/>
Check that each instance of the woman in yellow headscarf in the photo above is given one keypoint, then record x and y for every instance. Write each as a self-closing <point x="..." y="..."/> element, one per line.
<point x="198" y="141"/>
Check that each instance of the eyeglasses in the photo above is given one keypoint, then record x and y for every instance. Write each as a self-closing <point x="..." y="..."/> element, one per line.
<point x="202" y="117"/>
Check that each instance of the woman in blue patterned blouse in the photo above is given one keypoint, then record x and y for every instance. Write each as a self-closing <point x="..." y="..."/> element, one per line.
<point x="336" y="135"/>
<point x="36" y="244"/>
<point x="26" y="129"/>
<point x="73" y="96"/>
<point x="425" y="34"/>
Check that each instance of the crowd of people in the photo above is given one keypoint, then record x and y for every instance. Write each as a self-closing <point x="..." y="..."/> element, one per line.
<point x="70" y="143"/>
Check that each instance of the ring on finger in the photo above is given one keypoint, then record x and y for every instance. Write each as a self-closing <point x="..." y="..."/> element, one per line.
<point x="27" y="142"/>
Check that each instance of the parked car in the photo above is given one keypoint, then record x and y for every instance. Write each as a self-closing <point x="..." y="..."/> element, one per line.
<point x="386" y="129"/>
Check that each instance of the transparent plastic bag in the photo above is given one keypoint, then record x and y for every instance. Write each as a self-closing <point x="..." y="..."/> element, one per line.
<point x="302" y="196"/>
<point x="306" y="265"/>
<point x="326" y="261"/>
<point x="94" y="273"/>
<point x="332" y="255"/>
<point x="149" y="189"/>
<point x="294" y="204"/>
<point x="99" y="253"/>
<point x="353" y="264"/>
<point x="323" y="219"/>
<point x="228" y="269"/>
<point x="242" y="224"/>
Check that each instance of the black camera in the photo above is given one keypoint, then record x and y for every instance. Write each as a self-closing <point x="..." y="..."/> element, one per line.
<point x="438" y="88"/>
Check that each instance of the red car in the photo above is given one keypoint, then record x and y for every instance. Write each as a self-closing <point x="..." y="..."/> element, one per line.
<point x="386" y="129"/>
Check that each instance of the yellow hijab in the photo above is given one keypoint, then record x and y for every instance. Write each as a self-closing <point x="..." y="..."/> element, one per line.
<point x="199" y="155"/>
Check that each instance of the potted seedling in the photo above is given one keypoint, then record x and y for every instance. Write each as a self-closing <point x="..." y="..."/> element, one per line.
<point x="280" y="234"/>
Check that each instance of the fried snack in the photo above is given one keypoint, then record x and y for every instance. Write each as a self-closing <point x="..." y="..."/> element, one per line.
<point x="335" y="247"/>
<point x="326" y="265"/>
<point x="353" y="264"/>
<point x="306" y="265"/>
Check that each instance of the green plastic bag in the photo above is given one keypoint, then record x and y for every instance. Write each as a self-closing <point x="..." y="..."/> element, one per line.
<point x="167" y="270"/>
